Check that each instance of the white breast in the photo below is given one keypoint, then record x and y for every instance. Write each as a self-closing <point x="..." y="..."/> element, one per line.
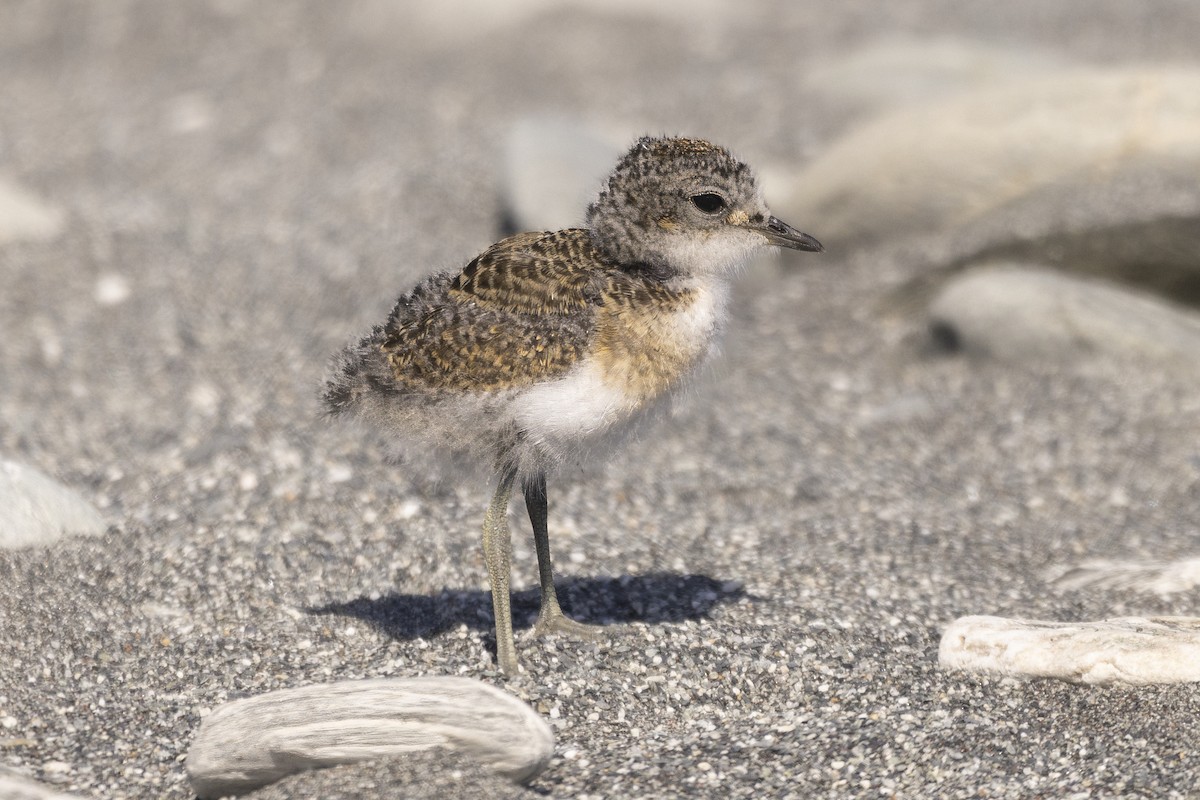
<point x="560" y="415"/>
<point x="700" y="323"/>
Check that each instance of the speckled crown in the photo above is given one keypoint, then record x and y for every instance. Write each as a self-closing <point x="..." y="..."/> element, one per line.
<point x="647" y="180"/>
<point x="655" y="156"/>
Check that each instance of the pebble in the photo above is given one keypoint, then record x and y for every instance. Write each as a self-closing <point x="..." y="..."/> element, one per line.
<point x="15" y="787"/>
<point x="36" y="510"/>
<point x="112" y="289"/>
<point x="339" y="473"/>
<point x="1018" y="313"/>
<point x="936" y="166"/>
<point x="1162" y="577"/>
<point x="553" y="167"/>
<point x="25" y="218"/>
<point x="251" y="742"/>
<point x="1128" y="650"/>
<point x="459" y="23"/>
<point x="1135" y="221"/>
<point x="190" y="113"/>
<point x="897" y="71"/>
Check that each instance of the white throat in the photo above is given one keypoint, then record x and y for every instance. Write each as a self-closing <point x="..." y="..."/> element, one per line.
<point x="724" y="254"/>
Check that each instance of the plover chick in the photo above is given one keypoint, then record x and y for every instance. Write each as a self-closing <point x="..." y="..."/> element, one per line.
<point x="549" y="343"/>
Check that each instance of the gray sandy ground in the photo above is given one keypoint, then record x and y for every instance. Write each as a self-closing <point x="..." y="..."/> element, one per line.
<point x="776" y="562"/>
<point x="431" y="774"/>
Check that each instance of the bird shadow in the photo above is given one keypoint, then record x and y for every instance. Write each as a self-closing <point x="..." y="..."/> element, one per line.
<point x="652" y="598"/>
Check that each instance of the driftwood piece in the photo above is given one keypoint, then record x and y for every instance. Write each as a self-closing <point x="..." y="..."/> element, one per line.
<point x="1160" y="577"/>
<point x="249" y="743"/>
<point x="1124" y="650"/>
<point x="14" y="787"/>
<point x="37" y="510"/>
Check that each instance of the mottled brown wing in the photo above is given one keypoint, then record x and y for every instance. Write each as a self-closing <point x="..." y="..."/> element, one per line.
<point x="520" y="313"/>
<point x="534" y="273"/>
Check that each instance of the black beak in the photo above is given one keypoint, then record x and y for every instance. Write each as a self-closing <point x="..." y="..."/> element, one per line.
<point x="779" y="232"/>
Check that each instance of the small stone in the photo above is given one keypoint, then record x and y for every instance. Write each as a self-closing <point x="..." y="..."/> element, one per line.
<point x="16" y="787"/>
<point x="49" y="340"/>
<point x="931" y="167"/>
<point x="1020" y="313"/>
<point x="1126" y="650"/>
<point x="462" y="23"/>
<point x="25" y="218"/>
<point x="898" y="71"/>
<point x="112" y="289"/>
<point x="189" y="113"/>
<point x="1163" y="577"/>
<point x="249" y="743"/>
<point x="553" y="169"/>
<point x="37" y="510"/>
<point x="204" y="398"/>
<point x="339" y="473"/>
<point x="407" y="509"/>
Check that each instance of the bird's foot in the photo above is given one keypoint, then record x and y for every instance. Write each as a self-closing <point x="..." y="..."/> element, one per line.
<point x="508" y="664"/>
<point x="554" y="621"/>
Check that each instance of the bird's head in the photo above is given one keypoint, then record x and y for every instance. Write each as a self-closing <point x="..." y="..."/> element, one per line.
<point x="689" y="206"/>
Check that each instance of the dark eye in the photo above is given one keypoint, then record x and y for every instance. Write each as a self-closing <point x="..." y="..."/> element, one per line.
<point x="709" y="202"/>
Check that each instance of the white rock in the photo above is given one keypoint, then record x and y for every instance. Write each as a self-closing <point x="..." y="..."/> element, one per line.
<point x="205" y="398"/>
<point x="37" y="510"/>
<point x="190" y="113"/>
<point x="1159" y="577"/>
<point x="456" y="22"/>
<point x="900" y="71"/>
<point x="112" y="289"/>
<point x="1018" y="314"/>
<point x="553" y="168"/>
<point x="407" y="509"/>
<point x="24" y="217"/>
<point x="339" y="473"/>
<point x="14" y="787"/>
<point x="249" y="743"/>
<point x="936" y="166"/>
<point x="1127" y="650"/>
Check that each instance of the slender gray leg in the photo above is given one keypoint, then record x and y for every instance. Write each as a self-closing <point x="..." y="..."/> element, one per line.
<point x="497" y="554"/>
<point x="550" y="618"/>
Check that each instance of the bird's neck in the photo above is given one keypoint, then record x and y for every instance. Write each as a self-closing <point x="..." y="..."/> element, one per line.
<point x="646" y="343"/>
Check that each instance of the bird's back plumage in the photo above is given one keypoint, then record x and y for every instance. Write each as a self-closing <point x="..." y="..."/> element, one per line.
<point x="531" y="310"/>
<point x="519" y="313"/>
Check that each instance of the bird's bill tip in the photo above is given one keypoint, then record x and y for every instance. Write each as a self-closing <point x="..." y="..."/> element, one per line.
<point x="780" y="233"/>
